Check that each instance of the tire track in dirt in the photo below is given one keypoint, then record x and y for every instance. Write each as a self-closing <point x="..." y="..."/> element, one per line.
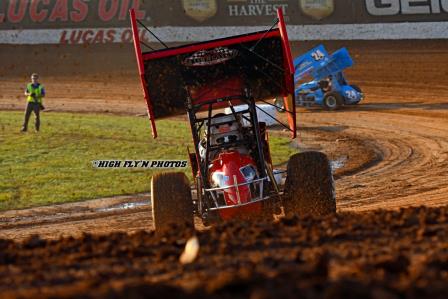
<point x="403" y="120"/>
<point x="410" y="169"/>
<point x="413" y="166"/>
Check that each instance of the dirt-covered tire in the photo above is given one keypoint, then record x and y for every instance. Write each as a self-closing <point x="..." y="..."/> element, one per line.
<point x="309" y="186"/>
<point x="333" y="101"/>
<point x="268" y="210"/>
<point x="171" y="200"/>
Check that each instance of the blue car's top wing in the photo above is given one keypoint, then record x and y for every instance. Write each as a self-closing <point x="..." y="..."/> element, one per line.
<point x="318" y="64"/>
<point x="305" y="64"/>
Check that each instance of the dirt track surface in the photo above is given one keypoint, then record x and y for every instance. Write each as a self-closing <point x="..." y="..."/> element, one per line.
<point x="394" y="146"/>
<point x="394" y="153"/>
<point x="395" y="254"/>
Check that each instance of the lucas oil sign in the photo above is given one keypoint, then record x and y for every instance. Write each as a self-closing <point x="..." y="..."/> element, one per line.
<point x="53" y="13"/>
<point x="107" y="21"/>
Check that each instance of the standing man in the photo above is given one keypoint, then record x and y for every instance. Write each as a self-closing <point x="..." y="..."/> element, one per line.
<point x="34" y="93"/>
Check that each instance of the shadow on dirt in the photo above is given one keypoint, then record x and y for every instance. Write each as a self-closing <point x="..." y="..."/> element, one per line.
<point x="396" y="106"/>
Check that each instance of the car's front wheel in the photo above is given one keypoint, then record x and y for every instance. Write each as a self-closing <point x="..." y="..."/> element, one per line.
<point x="309" y="186"/>
<point x="333" y="101"/>
<point x="171" y="200"/>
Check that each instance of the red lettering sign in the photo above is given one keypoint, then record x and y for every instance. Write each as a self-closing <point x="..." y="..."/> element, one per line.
<point x="139" y="14"/>
<point x="123" y="10"/>
<point x="110" y="36"/>
<point x="126" y="36"/>
<point x="60" y="11"/>
<point x="106" y="14"/>
<point x="87" y="36"/>
<point x="75" y="36"/>
<point x="99" y="36"/>
<point x="37" y="13"/>
<point x="71" y="11"/>
<point x="16" y="10"/>
<point x="81" y="36"/>
<point x="81" y="11"/>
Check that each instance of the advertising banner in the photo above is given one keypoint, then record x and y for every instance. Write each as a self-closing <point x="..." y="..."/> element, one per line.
<point x="106" y="21"/>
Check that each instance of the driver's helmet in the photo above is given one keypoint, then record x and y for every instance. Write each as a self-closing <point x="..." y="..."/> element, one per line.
<point x="324" y="83"/>
<point x="224" y="128"/>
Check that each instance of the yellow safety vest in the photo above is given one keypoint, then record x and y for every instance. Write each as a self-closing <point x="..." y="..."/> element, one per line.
<point x="37" y="91"/>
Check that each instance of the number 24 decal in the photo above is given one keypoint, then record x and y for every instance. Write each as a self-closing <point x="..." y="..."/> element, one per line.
<point x="318" y="55"/>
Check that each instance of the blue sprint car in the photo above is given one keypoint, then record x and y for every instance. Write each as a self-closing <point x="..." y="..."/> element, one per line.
<point x="329" y="88"/>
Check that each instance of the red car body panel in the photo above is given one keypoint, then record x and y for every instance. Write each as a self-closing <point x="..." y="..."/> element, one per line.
<point x="228" y="87"/>
<point x="141" y="71"/>
<point x="229" y="164"/>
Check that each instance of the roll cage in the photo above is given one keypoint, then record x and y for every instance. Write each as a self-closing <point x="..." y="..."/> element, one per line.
<point x="264" y="70"/>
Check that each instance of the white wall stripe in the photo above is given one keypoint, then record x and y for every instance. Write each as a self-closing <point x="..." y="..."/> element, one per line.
<point x="377" y="31"/>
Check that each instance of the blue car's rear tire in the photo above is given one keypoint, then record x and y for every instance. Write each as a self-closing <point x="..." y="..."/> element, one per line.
<point x="333" y="101"/>
<point x="356" y="87"/>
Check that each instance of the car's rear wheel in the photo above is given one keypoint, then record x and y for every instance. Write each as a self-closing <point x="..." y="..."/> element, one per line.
<point x="358" y="89"/>
<point x="333" y="101"/>
<point x="309" y="186"/>
<point x="171" y="200"/>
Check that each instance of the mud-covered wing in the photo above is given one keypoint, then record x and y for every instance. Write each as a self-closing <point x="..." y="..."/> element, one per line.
<point x="260" y="62"/>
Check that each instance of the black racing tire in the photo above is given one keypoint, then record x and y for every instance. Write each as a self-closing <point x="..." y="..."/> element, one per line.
<point x="171" y="201"/>
<point x="309" y="186"/>
<point x="358" y="89"/>
<point x="333" y="101"/>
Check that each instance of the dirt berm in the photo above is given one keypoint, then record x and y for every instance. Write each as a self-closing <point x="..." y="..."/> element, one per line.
<point x="381" y="254"/>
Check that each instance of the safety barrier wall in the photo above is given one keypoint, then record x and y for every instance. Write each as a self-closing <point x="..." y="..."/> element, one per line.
<point x="107" y="21"/>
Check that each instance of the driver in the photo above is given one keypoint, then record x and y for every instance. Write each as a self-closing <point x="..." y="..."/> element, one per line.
<point x="325" y="84"/>
<point x="224" y="129"/>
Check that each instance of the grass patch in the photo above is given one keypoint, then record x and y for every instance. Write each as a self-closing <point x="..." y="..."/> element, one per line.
<point x="54" y="165"/>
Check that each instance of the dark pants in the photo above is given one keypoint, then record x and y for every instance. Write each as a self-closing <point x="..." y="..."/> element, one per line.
<point x="30" y="108"/>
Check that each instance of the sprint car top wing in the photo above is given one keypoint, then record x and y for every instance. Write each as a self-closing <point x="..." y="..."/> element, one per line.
<point x="262" y="59"/>
<point x="318" y="64"/>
